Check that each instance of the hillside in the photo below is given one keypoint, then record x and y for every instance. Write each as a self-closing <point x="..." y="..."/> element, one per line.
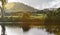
<point x="19" y="7"/>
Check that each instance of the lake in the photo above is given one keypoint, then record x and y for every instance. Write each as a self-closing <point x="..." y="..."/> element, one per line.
<point x="13" y="30"/>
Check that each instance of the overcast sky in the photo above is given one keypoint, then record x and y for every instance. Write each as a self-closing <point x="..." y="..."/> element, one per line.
<point x="39" y="4"/>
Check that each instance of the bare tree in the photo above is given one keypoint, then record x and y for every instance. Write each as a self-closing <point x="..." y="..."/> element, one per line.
<point x="2" y="16"/>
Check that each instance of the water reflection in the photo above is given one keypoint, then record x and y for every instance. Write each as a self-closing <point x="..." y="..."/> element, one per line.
<point x="19" y="31"/>
<point x="0" y="29"/>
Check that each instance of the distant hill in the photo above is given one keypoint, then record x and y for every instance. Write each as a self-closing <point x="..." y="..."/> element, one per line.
<point x="19" y="7"/>
<point x="16" y="7"/>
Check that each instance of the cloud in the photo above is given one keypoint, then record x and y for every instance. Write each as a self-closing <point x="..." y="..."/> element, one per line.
<point x="57" y="5"/>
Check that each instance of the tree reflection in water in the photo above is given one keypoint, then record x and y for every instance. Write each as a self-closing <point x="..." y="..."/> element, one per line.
<point x="19" y="31"/>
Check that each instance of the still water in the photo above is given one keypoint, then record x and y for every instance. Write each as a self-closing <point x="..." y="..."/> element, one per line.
<point x="19" y="31"/>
